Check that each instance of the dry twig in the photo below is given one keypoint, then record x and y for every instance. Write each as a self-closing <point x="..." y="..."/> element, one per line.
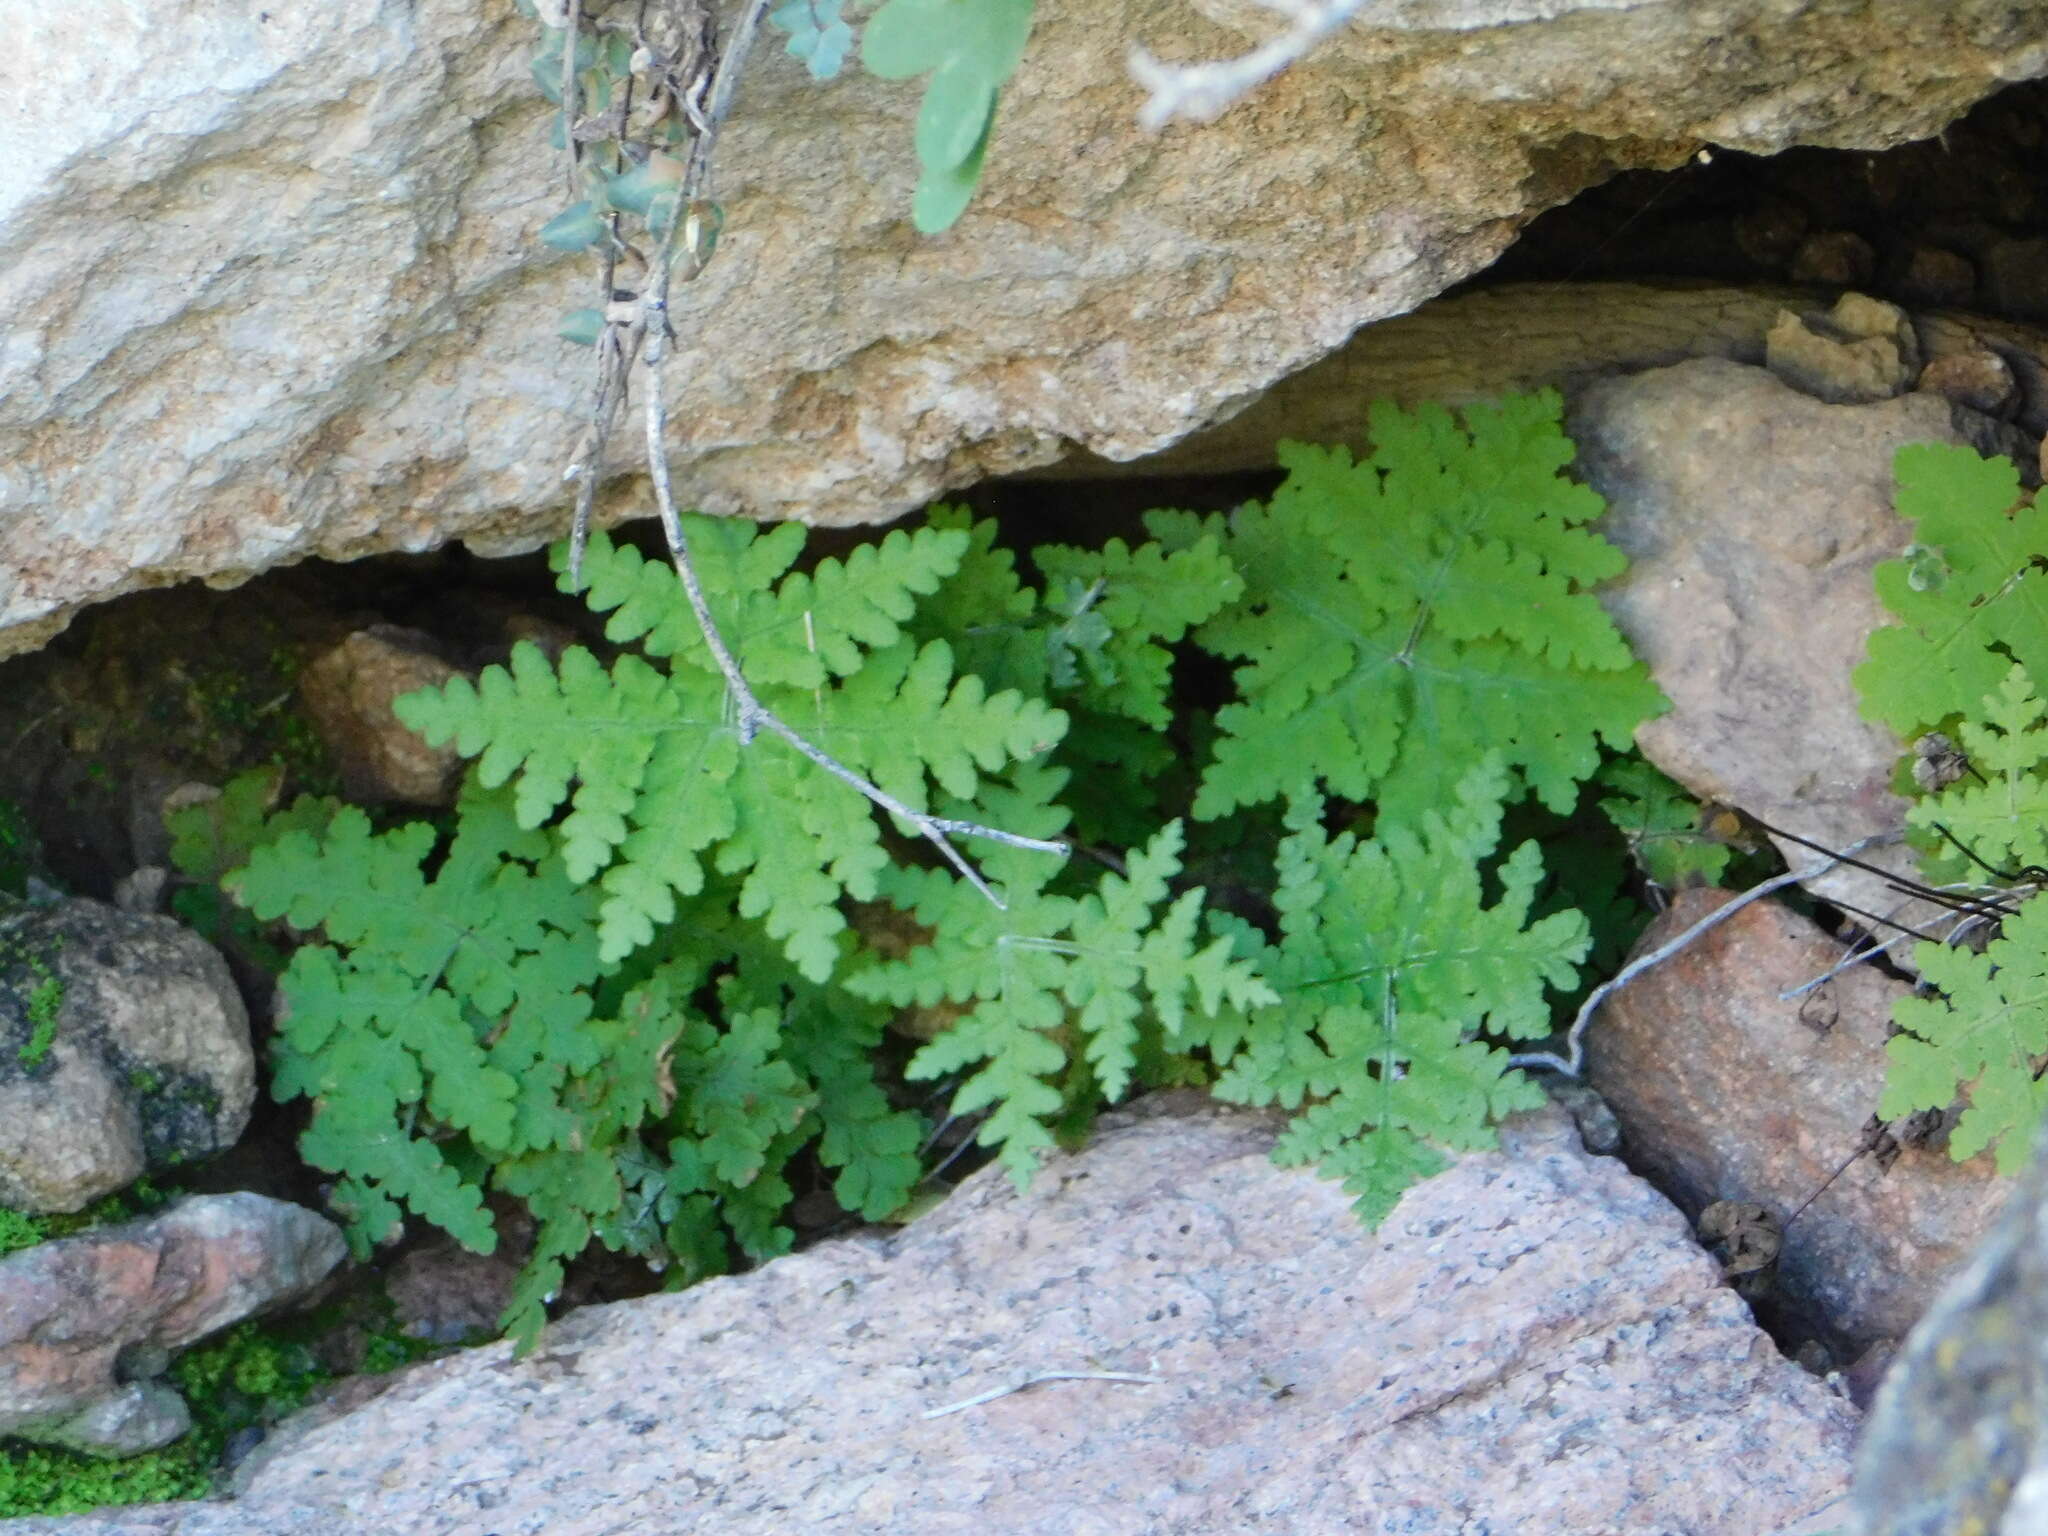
<point x="645" y="330"/>
<point x="1573" y="1060"/>
<point x="1203" y="92"/>
<point x="1031" y="1381"/>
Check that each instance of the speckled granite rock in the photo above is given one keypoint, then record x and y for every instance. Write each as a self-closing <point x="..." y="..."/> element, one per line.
<point x="88" y="1323"/>
<point x="124" y="1047"/>
<point x="1532" y="1343"/>
<point x="1958" y="1437"/>
<point x="272" y="286"/>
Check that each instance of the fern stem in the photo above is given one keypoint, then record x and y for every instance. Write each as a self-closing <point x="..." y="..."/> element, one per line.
<point x="753" y="716"/>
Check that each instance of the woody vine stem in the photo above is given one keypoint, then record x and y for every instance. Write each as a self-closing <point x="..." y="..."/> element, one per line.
<point x="645" y="329"/>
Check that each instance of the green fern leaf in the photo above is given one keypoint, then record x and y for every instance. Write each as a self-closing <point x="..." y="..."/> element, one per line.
<point x="1388" y="965"/>
<point x="1149" y="598"/>
<point x="1969" y="595"/>
<point x="1983" y="1033"/>
<point x="1046" y="964"/>
<point x="655" y="777"/>
<point x="738" y="1096"/>
<point x="462" y="998"/>
<point x="2001" y="813"/>
<point x="1407" y="614"/>
<point x="1661" y="823"/>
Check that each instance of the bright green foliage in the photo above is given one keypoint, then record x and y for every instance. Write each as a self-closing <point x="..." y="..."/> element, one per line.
<point x="458" y="1030"/>
<point x="1971" y="642"/>
<point x="1098" y="967"/>
<point x="461" y="999"/>
<point x="1144" y="601"/>
<point x="657" y="783"/>
<point x="2000" y="811"/>
<point x="214" y="836"/>
<point x="1970" y="596"/>
<point x="1095" y="640"/>
<point x="968" y="48"/>
<point x="1988" y="1027"/>
<point x="1662" y="825"/>
<point x="1405" y="615"/>
<point x="1388" y="964"/>
<point x="626" y="989"/>
<point x="1984" y="1033"/>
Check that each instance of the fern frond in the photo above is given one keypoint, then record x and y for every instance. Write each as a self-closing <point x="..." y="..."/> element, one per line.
<point x="1045" y="967"/>
<point x="657" y="781"/>
<point x="1388" y="966"/>
<point x="1409" y="613"/>
<point x="1968" y="595"/>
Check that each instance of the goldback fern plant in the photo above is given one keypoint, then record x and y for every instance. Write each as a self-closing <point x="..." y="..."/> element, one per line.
<point x="656" y="955"/>
<point x="1960" y="675"/>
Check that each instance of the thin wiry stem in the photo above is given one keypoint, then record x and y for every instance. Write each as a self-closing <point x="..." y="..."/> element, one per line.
<point x="1043" y="1376"/>
<point x="754" y="716"/>
<point x="650" y="335"/>
<point x="1573" y="1060"/>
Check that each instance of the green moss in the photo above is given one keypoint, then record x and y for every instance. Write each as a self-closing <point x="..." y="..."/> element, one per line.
<point x="20" y="852"/>
<point x="36" y="1480"/>
<point x="19" y="1230"/>
<point x="45" y="1000"/>
<point x="248" y="1377"/>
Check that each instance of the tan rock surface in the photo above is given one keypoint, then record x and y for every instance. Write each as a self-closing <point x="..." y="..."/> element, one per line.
<point x="270" y="287"/>
<point x="1725" y="1091"/>
<point x="348" y="691"/>
<point x="1532" y="1343"/>
<point x="1752" y="516"/>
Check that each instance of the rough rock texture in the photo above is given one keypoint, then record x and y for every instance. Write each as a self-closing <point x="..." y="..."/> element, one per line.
<point x="272" y="289"/>
<point x="149" y="1064"/>
<point x="348" y="691"/>
<point x="1752" y="516"/>
<point x="1727" y="1093"/>
<point x="1566" y="336"/>
<point x="1531" y="1343"/>
<point x="88" y="1322"/>
<point x="1958" y="1438"/>
<point x="1861" y="350"/>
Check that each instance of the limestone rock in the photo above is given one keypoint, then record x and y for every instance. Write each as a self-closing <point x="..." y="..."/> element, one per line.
<point x="124" y="1047"/>
<point x="272" y="288"/>
<point x="1530" y="1343"/>
<point x="1725" y="1092"/>
<point x="1752" y="516"/>
<point x="87" y="1322"/>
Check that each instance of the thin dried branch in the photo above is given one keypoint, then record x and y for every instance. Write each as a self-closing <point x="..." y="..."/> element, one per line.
<point x="1203" y="92"/>
<point x="754" y="716"/>
<point x="1570" y="1063"/>
<point x="644" y="330"/>
<point x="1042" y="1377"/>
